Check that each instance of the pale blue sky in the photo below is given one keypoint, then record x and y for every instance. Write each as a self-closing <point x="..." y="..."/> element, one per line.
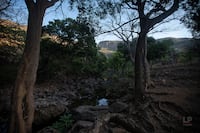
<point x="172" y="29"/>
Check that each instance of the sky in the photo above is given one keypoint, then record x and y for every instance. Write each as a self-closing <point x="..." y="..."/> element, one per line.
<point x="171" y="29"/>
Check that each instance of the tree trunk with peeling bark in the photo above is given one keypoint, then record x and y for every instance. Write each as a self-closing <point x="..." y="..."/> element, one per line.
<point x="140" y="66"/>
<point x="22" y="106"/>
<point x="142" y="70"/>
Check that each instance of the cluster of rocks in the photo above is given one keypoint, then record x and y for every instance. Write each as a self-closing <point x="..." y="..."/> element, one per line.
<point x="91" y="119"/>
<point x="54" y="99"/>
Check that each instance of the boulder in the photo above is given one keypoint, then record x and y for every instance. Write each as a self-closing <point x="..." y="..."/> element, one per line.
<point x="48" y="130"/>
<point x="118" y="107"/>
<point x="81" y="127"/>
<point x="118" y="130"/>
<point x="89" y="113"/>
<point x="45" y="114"/>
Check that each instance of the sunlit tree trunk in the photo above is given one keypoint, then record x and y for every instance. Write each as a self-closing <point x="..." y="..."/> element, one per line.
<point x="23" y="100"/>
<point x="22" y="106"/>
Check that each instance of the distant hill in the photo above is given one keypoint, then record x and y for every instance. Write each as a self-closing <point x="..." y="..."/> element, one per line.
<point x="109" y="45"/>
<point x="11" y="33"/>
<point x="180" y="44"/>
<point x="12" y="36"/>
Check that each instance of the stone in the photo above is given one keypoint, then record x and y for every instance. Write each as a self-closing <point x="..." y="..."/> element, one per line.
<point x="44" y="114"/>
<point x="118" y="107"/>
<point x="89" y="113"/>
<point x="81" y="126"/>
<point x="48" y="130"/>
<point x="118" y="130"/>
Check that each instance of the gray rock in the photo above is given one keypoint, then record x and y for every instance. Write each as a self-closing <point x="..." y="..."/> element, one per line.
<point x="48" y="130"/>
<point x="89" y="113"/>
<point x="44" y="114"/>
<point x="118" y="107"/>
<point x="81" y="127"/>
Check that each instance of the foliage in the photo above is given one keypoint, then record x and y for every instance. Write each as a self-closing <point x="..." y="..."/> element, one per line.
<point x="118" y="66"/>
<point x="63" y="123"/>
<point x="11" y="50"/>
<point x="192" y="16"/>
<point x="75" y="34"/>
<point x="70" y="31"/>
<point x="189" y="55"/>
<point x="159" y="50"/>
<point x="10" y="54"/>
<point x="70" y="50"/>
<point x="123" y="48"/>
<point x="117" y="61"/>
<point x="13" y="34"/>
<point x="11" y="43"/>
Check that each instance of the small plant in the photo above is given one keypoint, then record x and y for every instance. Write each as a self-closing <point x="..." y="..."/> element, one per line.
<point x="63" y="123"/>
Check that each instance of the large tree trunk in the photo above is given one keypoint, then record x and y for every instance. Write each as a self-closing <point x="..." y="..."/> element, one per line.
<point x="22" y="106"/>
<point x="139" y="66"/>
<point x="147" y="75"/>
<point x="142" y="71"/>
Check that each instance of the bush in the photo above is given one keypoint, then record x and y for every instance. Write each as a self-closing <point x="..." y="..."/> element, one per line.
<point x="64" y="123"/>
<point x="58" y="59"/>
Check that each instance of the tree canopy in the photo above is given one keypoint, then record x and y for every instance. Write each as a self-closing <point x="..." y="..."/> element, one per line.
<point x="192" y="16"/>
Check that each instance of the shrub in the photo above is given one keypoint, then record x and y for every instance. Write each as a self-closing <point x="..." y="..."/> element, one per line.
<point x="64" y="123"/>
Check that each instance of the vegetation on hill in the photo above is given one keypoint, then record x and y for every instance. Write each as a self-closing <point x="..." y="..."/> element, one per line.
<point x="11" y="49"/>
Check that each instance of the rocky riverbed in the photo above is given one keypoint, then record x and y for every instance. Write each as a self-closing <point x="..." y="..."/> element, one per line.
<point x="173" y="100"/>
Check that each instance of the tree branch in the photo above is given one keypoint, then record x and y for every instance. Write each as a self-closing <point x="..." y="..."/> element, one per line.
<point x="48" y="3"/>
<point x="30" y="4"/>
<point x="165" y="14"/>
<point x="7" y="4"/>
<point x="119" y="26"/>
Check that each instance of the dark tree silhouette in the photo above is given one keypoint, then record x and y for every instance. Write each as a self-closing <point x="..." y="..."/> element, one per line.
<point x="148" y="14"/>
<point x="192" y="16"/>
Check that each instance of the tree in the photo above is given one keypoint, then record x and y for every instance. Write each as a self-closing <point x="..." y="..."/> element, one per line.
<point x="192" y="16"/>
<point x="148" y="14"/>
<point x="4" y="7"/>
<point x="158" y="50"/>
<point x="75" y="45"/>
<point x="125" y="33"/>
<point x="147" y="20"/>
<point x="74" y="33"/>
<point x="22" y="107"/>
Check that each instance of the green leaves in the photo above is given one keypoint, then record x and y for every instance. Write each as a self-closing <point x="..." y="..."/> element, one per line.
<point x="63" y="123"/>
<point x="159" y="49"/>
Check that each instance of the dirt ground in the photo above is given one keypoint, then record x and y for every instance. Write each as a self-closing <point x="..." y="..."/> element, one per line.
<point x="176" y="98"/>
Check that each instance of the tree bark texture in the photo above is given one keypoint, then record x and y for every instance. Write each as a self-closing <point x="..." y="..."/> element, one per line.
<point x="142" y="70"/>
<point x="22" y="106"/>
<point x="140" y="66"/>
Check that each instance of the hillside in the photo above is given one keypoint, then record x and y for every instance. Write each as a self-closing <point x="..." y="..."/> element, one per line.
<point x="180" y="44"/>
<point x="11" y="33"/>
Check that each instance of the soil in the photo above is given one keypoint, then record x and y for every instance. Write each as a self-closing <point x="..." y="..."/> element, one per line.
<point x="176" y="97"/>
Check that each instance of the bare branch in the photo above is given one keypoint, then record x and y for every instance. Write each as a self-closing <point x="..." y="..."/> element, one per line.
<point x="119" y="26"/>
<point x="165" y="14"/>
<point x="131" y="7"/>
<point x="5" y="5"/>
<point x="48" y="3"/>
